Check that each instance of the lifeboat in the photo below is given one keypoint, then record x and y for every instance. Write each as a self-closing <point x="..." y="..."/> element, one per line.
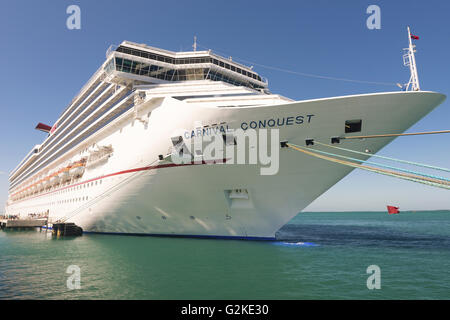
<point x="63" y="175"/>
<point x="54" y="180"/>
<point x="99" y="156"/>
<point x="76" y="171"/>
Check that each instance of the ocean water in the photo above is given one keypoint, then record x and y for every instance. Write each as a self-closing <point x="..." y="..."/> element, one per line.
<point x="319" y="256"/>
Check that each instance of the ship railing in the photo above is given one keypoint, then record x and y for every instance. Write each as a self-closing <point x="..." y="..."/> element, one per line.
<point x="75" y="131"/>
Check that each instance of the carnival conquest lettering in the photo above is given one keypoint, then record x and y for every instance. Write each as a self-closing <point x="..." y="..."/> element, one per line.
<point x="276" y="122"/>
<point x="252" y="124"/>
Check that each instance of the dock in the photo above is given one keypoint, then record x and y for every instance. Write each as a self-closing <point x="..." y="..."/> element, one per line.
<point x="22" y="223"/>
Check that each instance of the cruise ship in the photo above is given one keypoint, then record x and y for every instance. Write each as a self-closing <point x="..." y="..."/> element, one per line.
<point x="107" y="164"/>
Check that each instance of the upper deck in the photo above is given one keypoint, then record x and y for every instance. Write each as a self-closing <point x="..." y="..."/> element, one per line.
<point x="127" y="66"/>
<point x="154" y="65"/>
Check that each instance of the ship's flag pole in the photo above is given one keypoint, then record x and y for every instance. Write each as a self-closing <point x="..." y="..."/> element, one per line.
<point x="414" y="80"/>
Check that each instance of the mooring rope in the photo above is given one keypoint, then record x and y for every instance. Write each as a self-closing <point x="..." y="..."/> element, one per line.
<point x="383" y="165"/>
<point x="385" y="158"/>
<point x="410" y="177"/>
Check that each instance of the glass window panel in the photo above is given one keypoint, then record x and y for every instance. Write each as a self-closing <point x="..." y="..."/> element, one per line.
<point x="133" y="67"/>
<point x="126" y="65"/>
<point x="144" y="70"/>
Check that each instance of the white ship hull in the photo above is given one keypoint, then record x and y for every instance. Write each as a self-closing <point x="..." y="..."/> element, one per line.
<point x="134" y="193"/>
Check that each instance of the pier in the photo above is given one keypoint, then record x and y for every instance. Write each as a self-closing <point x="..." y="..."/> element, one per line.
<point x="22" y="223"/>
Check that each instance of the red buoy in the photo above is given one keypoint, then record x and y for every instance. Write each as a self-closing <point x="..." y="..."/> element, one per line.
<point x="393" y="210"/>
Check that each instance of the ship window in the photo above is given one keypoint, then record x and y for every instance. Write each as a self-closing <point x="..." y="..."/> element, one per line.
<point x="126" y="65"/>
<point x="353" y="126"/>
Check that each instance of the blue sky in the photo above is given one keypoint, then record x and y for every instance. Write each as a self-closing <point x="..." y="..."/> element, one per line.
<point x="44" y="64"/>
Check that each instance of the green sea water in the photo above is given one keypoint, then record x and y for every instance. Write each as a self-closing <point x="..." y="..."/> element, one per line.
<point x="319" y="256"/>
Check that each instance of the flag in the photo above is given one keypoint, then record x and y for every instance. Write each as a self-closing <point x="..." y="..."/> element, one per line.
<point x="414" y="37"/>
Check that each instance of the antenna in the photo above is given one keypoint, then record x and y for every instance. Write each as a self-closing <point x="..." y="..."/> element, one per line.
<point x="195" y="43"/>
<point x="409" y="60"/>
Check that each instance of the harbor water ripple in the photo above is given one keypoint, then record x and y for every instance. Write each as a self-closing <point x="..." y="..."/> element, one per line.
<point x="318" y="255"/>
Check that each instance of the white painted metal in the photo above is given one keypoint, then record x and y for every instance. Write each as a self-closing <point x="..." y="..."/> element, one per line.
<point x="409" y="60"/>
<point x="125" y="187"/>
